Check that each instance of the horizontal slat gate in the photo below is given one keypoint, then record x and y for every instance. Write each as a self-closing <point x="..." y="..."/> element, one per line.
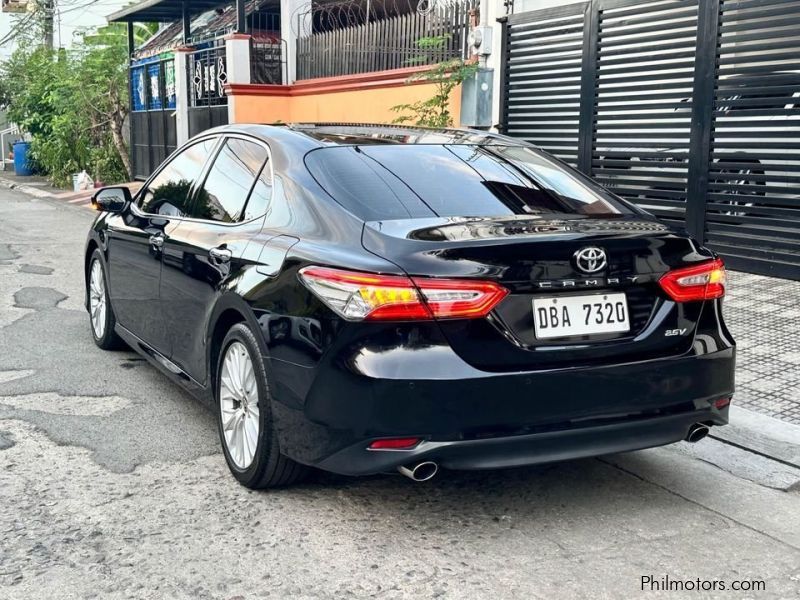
<point x="643" y="105"/>
<point x="754" y="184"/>
<point x="689" y="108"/>
<point x="543" y="79"/>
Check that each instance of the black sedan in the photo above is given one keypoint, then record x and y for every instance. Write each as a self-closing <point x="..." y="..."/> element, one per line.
<point x="364" y="298"/>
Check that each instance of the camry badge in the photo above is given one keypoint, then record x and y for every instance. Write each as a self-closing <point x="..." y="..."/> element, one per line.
<point x="590" y="259"/>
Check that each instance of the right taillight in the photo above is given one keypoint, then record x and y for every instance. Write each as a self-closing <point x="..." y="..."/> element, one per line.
<point x="700" y="282"/>
<point x="370" y="296"/>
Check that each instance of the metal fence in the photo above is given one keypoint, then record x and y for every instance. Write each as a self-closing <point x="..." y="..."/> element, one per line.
<point x="152" y="118"/>
<point x="387" y="43"/>
<point x="207" y="71"/>
<point x="690" y="108"/>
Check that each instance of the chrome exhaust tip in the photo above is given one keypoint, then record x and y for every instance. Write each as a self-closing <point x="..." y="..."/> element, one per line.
<point x="697" y="432"/>
<point x="421" y="471"/>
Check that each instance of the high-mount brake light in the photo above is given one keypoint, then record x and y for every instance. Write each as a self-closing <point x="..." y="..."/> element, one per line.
<point x="368" y="296"/>
<point x="705" y="281"/>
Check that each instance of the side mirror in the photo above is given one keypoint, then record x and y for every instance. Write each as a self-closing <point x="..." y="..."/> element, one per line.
<point x="112" y="199"/>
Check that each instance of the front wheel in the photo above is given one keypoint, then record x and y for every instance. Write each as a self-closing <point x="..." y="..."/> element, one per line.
<point x="246" y="428"/>
<point x="101" y="315"/>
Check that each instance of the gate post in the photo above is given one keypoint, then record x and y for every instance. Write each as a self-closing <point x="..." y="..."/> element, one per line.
<point x="131" y="128"/>
<point x="237" y="61"/>
<point x="702" y="118"/>
<point x="296" y="22"/>
<point x="588" y="102"/>
<point x="502" y="69"/>
<point x="182" y="92"/>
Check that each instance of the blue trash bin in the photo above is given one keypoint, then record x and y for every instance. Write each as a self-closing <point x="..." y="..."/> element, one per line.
<point x="22" y="166"/>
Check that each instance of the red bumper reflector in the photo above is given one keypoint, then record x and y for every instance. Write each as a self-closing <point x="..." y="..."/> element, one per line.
<point x="722" y="402"/>
<point x="394" y="444"/>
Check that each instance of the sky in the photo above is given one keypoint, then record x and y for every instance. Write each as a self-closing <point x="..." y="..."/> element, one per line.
<point x="74" y="14"/>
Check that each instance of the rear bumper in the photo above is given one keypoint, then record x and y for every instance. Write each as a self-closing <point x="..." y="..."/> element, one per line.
<point x="520" y="450"/>
<point x="471" y="419"/>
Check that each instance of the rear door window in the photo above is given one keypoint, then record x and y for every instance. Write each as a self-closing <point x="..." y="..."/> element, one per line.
<point x="261" y="196"/>
<point x="225" y="191"/>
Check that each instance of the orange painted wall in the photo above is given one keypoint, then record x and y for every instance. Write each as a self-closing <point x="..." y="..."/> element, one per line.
<point x="260" y="109"/>
<point x="370" y="104"/>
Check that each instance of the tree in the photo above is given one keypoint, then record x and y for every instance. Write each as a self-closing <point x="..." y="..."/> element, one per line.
<point x="103" y="82"/>
<point x="446" y="75"/>
<point x="74" y="103"/>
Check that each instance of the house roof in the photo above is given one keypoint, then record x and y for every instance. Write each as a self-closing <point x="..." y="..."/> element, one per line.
<point x="205" y="25"/>
<point x="160" y="11"/>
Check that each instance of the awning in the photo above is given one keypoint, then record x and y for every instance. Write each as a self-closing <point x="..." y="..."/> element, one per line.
<point x="150" y="11"/>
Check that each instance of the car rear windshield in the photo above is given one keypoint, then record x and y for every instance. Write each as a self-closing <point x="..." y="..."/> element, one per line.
<point x="416" y="181"/>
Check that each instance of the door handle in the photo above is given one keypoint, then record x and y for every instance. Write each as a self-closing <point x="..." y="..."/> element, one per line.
<point x="220" y="255"/>
<point x="157" y="240"/>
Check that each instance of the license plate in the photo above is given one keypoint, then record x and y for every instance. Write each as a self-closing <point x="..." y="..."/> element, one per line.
<point x="563" y="316"/>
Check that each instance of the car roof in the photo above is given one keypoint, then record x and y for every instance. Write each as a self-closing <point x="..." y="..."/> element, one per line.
<point x="367" y="134"/>
<point x="307" y="136"/>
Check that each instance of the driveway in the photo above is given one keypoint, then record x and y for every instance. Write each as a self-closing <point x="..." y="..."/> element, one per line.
<point x="112" y="486"/>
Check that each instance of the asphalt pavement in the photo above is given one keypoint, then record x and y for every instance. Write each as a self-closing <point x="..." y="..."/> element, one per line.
<point x="112" y="486"/>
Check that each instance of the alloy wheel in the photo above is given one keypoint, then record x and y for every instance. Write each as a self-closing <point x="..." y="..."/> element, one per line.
<point x="238" y="403"/>
<point x="97" y="299"/>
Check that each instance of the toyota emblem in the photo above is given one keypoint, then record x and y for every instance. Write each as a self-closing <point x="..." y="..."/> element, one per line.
<point x="591" y="259"/>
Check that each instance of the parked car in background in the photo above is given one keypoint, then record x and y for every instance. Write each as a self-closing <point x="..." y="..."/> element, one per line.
<point x="365" y="299"/>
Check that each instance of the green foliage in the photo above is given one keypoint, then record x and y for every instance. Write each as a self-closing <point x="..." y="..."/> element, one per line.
<point x="446" y="75"/>
<point x="73" y="104"/>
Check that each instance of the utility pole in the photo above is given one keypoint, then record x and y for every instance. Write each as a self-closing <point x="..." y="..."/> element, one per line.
<point x="48" y="6"/>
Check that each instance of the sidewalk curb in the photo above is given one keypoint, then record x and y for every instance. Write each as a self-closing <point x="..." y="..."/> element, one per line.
<point x="60" y="195"/>
<point x="26" y="189"/>
<point x="760" y="434"/>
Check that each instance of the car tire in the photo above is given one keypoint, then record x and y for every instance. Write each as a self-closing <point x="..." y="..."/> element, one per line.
<point x="253" y="456"/>
<point x="101" y="315"/>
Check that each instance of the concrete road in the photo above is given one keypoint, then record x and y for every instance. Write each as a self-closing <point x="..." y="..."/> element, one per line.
<point x="112" y="486"/>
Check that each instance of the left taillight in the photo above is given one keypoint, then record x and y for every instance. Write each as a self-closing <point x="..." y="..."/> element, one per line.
<point x="373" y="297"/>
<point x="700" y="282"/>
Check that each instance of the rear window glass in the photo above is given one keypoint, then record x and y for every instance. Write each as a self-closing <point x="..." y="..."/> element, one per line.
<point x="363" y="186"/>
<point x="402" y="181"/>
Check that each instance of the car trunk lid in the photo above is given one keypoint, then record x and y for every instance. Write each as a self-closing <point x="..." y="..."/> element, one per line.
<point x="534" y="257"/>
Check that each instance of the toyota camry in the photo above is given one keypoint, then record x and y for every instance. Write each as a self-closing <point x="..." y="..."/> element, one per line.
<point x="365" y="298"/>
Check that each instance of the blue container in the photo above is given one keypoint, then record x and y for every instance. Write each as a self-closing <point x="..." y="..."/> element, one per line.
<point x="21" y="165"/>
